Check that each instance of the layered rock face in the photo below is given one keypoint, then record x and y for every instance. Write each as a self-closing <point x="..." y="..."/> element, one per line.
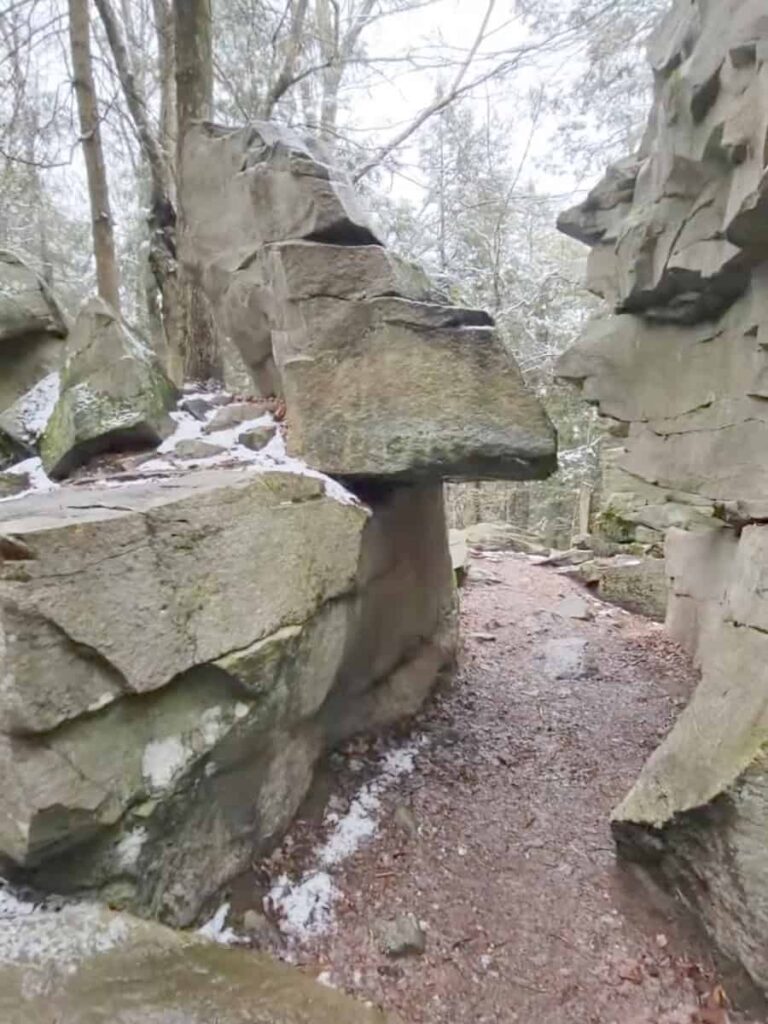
<point x="678" y="238"/>
<point x="381" y="377"/>
<point x="176" y="656"/>
<point x="184" y="633"/>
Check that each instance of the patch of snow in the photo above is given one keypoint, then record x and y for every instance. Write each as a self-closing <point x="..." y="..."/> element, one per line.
<point x="62" y="937"/>
<point x="162" y="761"/>
<point x="12" y="906"/>
<point x="216" y="928"/>
<point x="212" y="726"/>
<point x="273" y="458"/>
<point x="306" y="906"/>
<point x="187" y="429"/>
<point x="33" y="410"/>
<point x="128" y="849"/>
<point x="100" y="702"/>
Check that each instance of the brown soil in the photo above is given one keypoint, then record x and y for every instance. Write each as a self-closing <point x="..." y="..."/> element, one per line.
<point x="506" y="855"/>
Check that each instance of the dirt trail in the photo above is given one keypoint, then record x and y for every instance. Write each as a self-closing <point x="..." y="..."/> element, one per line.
<point x="499" y="843"/>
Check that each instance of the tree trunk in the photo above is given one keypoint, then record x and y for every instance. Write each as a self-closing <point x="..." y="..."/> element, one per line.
<point x="199" y="350"/>
<point x="162" y="214"/>
<point x="90" y="133"/>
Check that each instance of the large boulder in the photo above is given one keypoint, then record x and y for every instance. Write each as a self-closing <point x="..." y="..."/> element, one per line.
<point x="113" y="394"/>
<point x="88" y="965"/>
<point x="381" y="377"/>
<point x="31" y="329"/>
<point x="177" y="655"/>
<point x="679" y="248"/>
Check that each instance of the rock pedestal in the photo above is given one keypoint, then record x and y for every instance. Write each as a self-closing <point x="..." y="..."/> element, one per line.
<point x="178" y="645"/>
<point x="678" y="235"/>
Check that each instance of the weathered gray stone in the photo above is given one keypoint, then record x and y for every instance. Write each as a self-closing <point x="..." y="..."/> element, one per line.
<point x="196" y="448"/>
<point x="399" y="389"/>
<point x="381" y="377"/>
<point x="22" y="423"/>
<point x="114" y="394"/>
<point x="27" y="306"/>
<point x="175" y="660"/>
<point x="32" y="329"/>
<point x="233" y="415"/>
<point x="638" y="584"/>
<point x="681" y="253"/>
<point x="88" y="965"/>
<point x="402" y="936"/>
<point x="257" y="437"/>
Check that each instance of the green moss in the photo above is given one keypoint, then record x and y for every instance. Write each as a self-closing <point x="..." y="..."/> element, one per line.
<point x="611" y="524"/>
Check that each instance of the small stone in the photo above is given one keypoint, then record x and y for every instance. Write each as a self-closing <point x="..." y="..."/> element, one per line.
<point x="257" y="437"/>
<point x="404" y="818"/>
<point x="487" y="638"/>
<point x="574" y="607"/>
<point x="197" y="407"/>
<point x="233" y="415"/>
<point x="194" y="448"/>
<point x="566" y="658"/>
<point x="402" y="936"/>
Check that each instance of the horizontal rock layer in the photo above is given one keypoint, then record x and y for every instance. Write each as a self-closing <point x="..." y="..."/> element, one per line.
<point x="177" y="655"/>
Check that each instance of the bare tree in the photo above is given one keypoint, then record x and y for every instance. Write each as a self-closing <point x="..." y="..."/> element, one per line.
<point x="156" y="153"/>
<point x="199" y="350"/>
<point x="93" y="153"/>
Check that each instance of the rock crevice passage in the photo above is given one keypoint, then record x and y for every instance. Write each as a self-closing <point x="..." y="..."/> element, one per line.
<point x="677" y="236"/>
<point x="466" y="872"/>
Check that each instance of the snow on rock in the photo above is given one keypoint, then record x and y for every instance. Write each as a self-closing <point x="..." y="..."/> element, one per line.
<point x="273" y="458"/>
<point x="33" y="410"/>
<point x="39" y="481"/>
<point x="62" y="936"/>
<point x="306" y="906"/>
<point x="216" y="928"/>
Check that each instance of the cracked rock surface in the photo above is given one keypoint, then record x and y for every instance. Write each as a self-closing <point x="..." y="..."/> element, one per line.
<point x="678" y="246"/>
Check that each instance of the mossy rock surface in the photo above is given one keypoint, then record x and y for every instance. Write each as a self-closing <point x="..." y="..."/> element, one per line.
<point x="114" y="394"/>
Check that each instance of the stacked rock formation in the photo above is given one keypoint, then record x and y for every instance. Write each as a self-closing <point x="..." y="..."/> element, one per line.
<point x="678" y="235"/>
<point x="178" y="650"/>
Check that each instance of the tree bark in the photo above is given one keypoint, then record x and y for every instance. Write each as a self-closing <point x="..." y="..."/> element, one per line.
<point x="90" y="136"/>
<point x="199" y="350"/>
<point x="162" y="214"/>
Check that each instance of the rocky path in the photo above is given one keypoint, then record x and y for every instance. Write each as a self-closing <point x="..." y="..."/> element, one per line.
<point x="497" y="843"/>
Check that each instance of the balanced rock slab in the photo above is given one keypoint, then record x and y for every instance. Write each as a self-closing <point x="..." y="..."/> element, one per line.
<point x="113" y="394"/>
<point x="381" y="376"/>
